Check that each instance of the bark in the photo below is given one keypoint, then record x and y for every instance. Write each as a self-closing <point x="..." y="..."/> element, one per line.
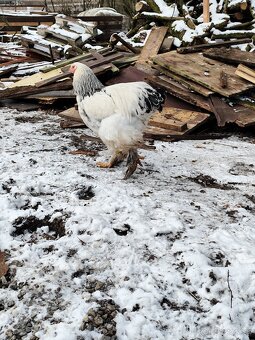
<point x="199" y="48"/>
<point x="232" y="35"/>
<point x="153" y="6"/>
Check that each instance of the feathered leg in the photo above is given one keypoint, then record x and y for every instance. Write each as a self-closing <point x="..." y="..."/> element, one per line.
<point x="115" y="159"/>
<point x="133" y="160"/>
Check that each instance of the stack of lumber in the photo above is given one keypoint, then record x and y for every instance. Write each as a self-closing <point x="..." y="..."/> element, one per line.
<point x="66" y="38"/>
<point x="54" y="82"/>
<point x="207" y="83"/>
<point x="13" y="22"/>
<point x="233" y="19"/>
<point x="211" y="82"/>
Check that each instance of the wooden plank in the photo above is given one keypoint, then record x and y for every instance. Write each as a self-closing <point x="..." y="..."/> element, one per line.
<point x="204" y="71"/>
<point x="231" y="56"/>
<point x="206" y="12"/>
<point x="67" y="94"/>
<point x="159" y="119"/>
<point x="26" y="90"/>
<point x="191" y="85"/>
<point x="245" y="73"/>
<point x="105" y="18"/>
<point x="238" y="114"/>
<point x="72" y="114"/>
<point x="222" y="111"/>
<point x="246" y="116"/>
<point x="97" y="63"/>
<point x="26" y="18"/>
<point x="8" y="70"/>
<point x="153" y="44"/>
<point x="176" y="90"/>
<point x="186" y="118"/>
<point x="36" y="78"/>
<point x="53" y="79"/>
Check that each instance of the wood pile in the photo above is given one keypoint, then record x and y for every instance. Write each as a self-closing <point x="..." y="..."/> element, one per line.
<point x="184" y="19"/>
<point x="66" y="38"/>
<point x="53" y="82"/>
<point x="206" y="82"/>
<point x="11" y="23"/>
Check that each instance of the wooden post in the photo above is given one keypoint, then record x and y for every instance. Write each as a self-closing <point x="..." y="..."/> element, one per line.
<point x="206" y="12"/>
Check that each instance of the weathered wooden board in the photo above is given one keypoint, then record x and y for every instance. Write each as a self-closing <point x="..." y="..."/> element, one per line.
<point x="231" y="56"/>
<point x="204" y="71"/>
<point x="153" y="44"/>
<point x="36" y="78"/>
<point x="71" y="113"/>
<point x="26" y="90"/>
<point x="223" y="112"/>
<point x="177" y="90"/>
<point x="245" y="73"/>
<point x="191" y="85"/>
<point x="246" y="117"/>
<point x="177" y="122"/>
<point x="66" y="94"/>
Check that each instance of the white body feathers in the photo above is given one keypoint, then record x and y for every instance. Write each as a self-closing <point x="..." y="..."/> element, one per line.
<point x="118" y="113"/>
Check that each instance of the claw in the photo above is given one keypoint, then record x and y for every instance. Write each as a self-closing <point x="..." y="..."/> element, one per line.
<point x="133" y="160"/>
<point x="116" y="158"/>
<point x="103" y="164"/>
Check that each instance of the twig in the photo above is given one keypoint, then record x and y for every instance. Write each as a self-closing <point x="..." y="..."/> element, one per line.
<point x="82" y="242"/>
<point x="231" y="293"/>
<point x="194" y="296"/>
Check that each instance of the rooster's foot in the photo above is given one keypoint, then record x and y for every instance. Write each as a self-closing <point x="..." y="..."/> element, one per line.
<point x="116" y="158"/>
<point x="133" y="160"/>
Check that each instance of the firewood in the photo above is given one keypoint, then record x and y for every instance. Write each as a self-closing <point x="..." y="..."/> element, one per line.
<point x="152" y="4"/>
<point x="199" y="48"/>
<point x="232" y="35"/>
<point x="142" y="6"/>
<point x="156" y="17"/>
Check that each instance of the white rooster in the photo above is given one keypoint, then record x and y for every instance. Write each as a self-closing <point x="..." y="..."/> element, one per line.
<point x="118" y="113"/>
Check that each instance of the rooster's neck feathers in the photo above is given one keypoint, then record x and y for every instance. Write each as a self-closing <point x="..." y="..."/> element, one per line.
<point x="85" y="83"/>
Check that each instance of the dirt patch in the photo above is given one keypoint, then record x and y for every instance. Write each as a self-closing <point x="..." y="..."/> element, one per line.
<point x="209" y="182"/>
<point x="32" y="223"/>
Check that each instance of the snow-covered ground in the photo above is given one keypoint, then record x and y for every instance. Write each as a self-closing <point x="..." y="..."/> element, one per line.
<point x="168" y="254"/>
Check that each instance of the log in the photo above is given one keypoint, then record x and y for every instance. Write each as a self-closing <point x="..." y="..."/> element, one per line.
<point x="142" y="6"/>
<point x="152" y="4"/>
<point x="199" y="48"/>
<point x="237" y="6"/>
<point x="232" y="35"/>
<point x="239" y="26"/>
<point x="156" y="17"/>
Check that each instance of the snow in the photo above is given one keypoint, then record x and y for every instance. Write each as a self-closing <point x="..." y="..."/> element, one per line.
<point x="186" y="244"/>
<point x="165" y="9"/>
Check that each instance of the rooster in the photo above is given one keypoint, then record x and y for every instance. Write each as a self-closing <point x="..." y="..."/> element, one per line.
<point x="118" y="114"/>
